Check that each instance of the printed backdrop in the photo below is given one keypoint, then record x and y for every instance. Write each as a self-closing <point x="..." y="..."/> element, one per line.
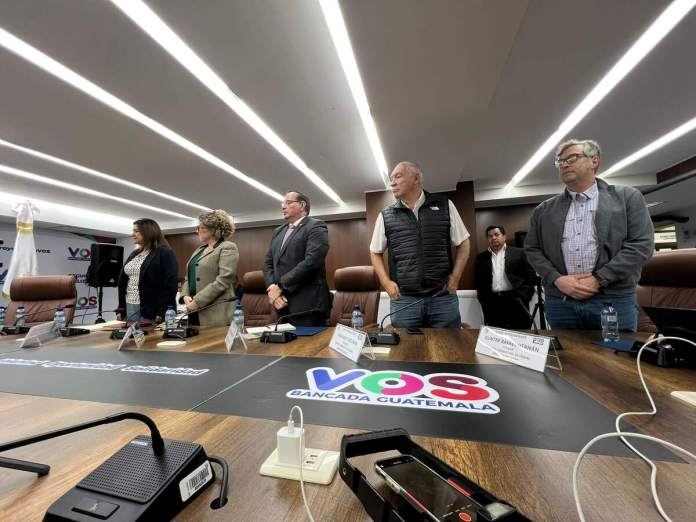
<point x="61" y="253"/>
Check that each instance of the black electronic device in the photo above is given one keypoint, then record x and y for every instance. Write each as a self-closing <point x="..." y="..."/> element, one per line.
<point x="121" y="333"/>
<point x="670" y="322"/>
<point x="443" y="501"/>
<point x="414" y="331"/>
<point x="393" y="338"/>
<point x="105" y="264"/>
<point x="183" y="332"/>
<point x="284" y="337"/>
<point x="17" y="330"/>
<point x="70" y="331"/>
<point x="404" y="508"/>
<point x="150" y="478"/>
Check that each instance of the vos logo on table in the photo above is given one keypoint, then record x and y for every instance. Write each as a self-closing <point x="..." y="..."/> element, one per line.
<point x="435" y="391"/>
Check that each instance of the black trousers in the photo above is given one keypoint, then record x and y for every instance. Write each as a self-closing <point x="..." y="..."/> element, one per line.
<point x="504" y="310"/>
<point x="311" y="319"/>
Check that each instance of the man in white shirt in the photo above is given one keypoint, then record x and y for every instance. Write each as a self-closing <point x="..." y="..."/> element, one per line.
<point x="428" y="250"/>
<point x="504" y="282"/>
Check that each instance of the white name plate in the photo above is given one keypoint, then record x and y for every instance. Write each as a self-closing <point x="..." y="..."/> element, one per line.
<point x="518" y="348"/>
<point x="348" y="342"/>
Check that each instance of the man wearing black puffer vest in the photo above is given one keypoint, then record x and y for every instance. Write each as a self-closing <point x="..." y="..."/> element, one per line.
<point x="428" y="250"/>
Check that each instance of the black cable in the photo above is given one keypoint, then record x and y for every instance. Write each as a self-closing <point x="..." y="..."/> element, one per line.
<point x="222" y="499"/>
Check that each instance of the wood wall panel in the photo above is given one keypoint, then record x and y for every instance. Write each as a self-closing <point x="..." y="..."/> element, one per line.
<point x="348" y="246"/>
<point x="514" y="218"/>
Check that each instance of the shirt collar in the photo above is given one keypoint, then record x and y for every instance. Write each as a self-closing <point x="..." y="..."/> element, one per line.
<point x="419" y="202"/>
<point x="590" y="193"/>
<point x="297" y="222"/>
<point x="501" y="251"/>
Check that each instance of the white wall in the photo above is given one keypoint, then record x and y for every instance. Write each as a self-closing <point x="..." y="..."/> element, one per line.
<point x="62" y="253"/>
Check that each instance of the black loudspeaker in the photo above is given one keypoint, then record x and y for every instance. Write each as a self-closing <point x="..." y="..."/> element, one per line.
<point x="105" y="265"/>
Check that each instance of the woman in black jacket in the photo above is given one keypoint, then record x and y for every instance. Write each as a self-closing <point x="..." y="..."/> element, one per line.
<point x="147" y="283"/>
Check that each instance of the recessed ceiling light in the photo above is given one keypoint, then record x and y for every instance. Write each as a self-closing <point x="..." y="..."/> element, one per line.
<point x="48" y="64"/>
<point x="341" y="40"/>
<point x="651" y="147"/>
<point x="664" y="23"/>
<point x="92" y="172"/>
<point x="84" y="190"/>
<point x="155" y="27"/>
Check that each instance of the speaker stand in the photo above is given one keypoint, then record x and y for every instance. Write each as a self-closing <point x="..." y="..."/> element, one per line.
<point x="100" y="297"/>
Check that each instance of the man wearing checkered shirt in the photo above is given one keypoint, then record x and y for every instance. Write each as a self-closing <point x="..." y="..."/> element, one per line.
<point x="589" y="243"/>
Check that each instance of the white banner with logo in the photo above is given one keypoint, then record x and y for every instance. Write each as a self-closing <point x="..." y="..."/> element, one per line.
<point x="62" y="253"/>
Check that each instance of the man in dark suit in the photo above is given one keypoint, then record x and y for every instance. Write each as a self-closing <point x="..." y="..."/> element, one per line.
<point x="504" y="282"/>
<point x="295" y="267"/>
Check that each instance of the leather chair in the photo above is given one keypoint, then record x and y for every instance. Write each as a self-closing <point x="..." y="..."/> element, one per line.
<point x="39" y="295"/>
<point x="355" y="285"/>
<point x="257" y="310"/>
<point x="668" y="280"/>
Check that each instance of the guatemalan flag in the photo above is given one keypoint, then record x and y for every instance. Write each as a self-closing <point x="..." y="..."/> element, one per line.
<point x="23" y="261"/>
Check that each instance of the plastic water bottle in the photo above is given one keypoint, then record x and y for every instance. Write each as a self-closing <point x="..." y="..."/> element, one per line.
<point x="610" y="323"/>
<point x="238" y="317"/>
<point x="356" y="320"/>
<point x="2" y="314"/>
<point x="170" y="318"/>
<point x="59" y="318"/>
<point x="21" y="317"/>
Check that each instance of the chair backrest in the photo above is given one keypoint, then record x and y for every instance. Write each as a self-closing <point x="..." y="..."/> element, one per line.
<point x="355" y="285"/>
<point x="668" y="280"/>
<point x="39" y="295"/>
<point x="257" y="310"/>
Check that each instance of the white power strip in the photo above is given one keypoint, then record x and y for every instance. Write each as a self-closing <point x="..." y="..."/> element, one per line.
<point x="319" y="467"/>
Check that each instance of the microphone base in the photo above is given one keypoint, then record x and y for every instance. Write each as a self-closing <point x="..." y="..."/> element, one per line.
<point x="15" y="330"/>
<point x="179" y="333"/>
<point x="70" y="331"/>
<point x="162" y="486"/>
<point x="121" y="333"/>
<point x="277" y="337"/>
<point x="388" y="338"/>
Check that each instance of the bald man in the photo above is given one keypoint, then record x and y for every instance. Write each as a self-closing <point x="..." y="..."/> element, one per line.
<point x="423" y="233"/>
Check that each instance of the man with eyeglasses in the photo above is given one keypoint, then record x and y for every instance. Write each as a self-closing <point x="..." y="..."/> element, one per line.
<point x="428" y="250"/>
<point x="589" y="243"/>
<point x="295" y="264"/>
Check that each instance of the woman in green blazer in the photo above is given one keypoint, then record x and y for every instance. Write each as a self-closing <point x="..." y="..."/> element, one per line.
<point x="211" y="272"/>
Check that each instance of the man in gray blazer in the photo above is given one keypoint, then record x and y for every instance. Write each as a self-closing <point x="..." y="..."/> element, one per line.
<point x="589" y="243"/>
<point x="295" y="264"/>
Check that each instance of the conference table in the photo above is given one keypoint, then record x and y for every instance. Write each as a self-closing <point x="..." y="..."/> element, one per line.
<point x="535" y="480"/>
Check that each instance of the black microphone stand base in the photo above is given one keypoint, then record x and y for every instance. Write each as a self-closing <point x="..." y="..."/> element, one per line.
<point x="277" y="337"/>
<point x="121" y="333"/>
<point x="15" y="330"/>
<point x="135" y="484"/>
<point x="179" y="332"/>
<point x="388" y="338"/>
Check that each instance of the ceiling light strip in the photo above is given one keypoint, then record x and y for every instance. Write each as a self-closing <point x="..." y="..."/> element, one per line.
<point x="76" y="188"/>
<point x="660" y="142"/>
<point x="96" y="173"/>
<point x="155" y="27"/>
<point x="341" y="40"/>
<point x="660" y="28"/>
<point x="48" y="64"/>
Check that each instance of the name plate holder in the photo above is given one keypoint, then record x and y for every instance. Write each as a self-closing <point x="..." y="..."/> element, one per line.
<point x="522" y="349"/>
<point x="40" y="334"/>
<point x="234" y="333"/>
<point x="351" y="343"/>
<point x="136" y="333"/>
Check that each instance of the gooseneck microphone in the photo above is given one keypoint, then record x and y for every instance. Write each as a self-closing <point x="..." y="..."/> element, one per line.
<point x="150" y="478"/>
<point x="284" y="337"/>
<point x="393" y="338"/>
<point x="15" y="330"/>
<point x="182" y="332"/>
